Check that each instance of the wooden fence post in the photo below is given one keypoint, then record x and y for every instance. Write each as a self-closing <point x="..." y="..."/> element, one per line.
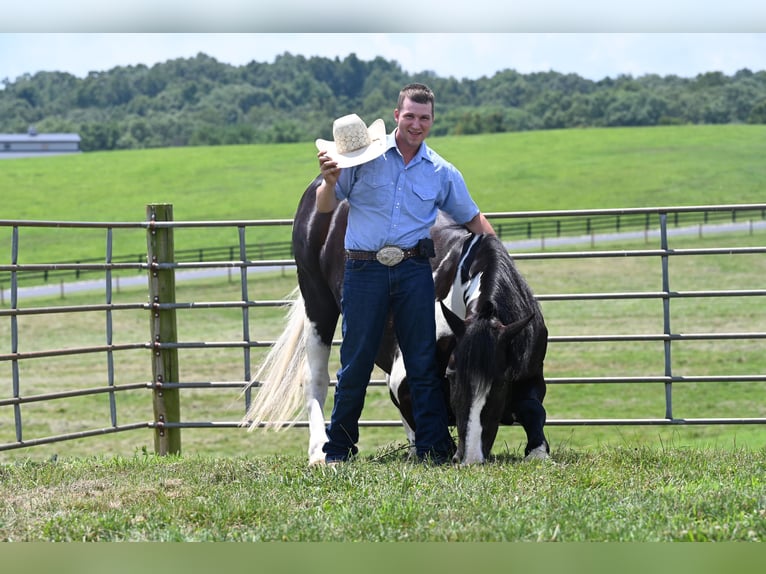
<point x="162" y="290"/>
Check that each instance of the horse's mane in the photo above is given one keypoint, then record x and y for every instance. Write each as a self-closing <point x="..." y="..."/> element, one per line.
<point x="501" y="282"/>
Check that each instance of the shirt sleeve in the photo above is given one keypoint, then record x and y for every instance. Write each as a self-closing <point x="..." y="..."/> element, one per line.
<point x="343" y="185"/>
<point x="457" y="200"/>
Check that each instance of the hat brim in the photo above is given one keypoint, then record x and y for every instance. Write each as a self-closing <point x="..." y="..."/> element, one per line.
<point x="377" y="131"/>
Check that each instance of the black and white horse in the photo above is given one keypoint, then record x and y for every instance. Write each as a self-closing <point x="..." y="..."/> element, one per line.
<point x="491" y="339"/>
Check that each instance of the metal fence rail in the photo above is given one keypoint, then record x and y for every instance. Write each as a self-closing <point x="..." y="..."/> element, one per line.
<point x="516" y="227"/>
<point x="162" y="262"/>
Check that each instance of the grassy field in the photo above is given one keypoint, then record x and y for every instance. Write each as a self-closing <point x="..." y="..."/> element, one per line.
<point x="570" y="169"/>
<point x="630" y="483"/>
<point x="617" y="494"/>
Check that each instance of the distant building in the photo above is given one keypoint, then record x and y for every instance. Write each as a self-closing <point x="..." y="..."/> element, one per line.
<point x="32" y="144"/>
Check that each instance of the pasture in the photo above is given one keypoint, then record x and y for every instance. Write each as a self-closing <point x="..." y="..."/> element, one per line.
<point x="628" y="493"/>
<point x="607" y="483"/>
<point x="550" y="170"/>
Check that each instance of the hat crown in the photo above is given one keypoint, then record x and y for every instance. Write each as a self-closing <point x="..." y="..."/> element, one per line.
<point x="354" y="143"/>
<point x="350" y="133"/>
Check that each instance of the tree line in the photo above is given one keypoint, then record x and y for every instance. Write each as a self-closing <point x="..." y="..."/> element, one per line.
<point x="201" y="101"/>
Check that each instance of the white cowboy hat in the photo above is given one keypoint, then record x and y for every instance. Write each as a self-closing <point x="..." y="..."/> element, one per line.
<point x="354" y="142"/>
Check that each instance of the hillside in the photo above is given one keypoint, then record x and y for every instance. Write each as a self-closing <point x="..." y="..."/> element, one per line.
<point x="530" y="171"/>
<point x="200" y="101"/>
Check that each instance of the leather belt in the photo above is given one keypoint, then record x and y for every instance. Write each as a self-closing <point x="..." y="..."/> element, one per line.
<point x="389" y="255"/>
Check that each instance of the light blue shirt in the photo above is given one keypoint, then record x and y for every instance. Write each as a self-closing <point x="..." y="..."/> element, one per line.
<point x="394" y="204"/>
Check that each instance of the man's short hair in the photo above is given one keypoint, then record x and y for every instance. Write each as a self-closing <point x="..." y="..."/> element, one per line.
<point x="418" y="93"/>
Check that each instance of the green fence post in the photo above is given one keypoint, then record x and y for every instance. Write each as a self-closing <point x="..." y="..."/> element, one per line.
<point x="162" y="290"/>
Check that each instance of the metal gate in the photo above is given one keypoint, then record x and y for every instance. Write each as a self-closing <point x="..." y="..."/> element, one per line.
<point x="546" y="238"/>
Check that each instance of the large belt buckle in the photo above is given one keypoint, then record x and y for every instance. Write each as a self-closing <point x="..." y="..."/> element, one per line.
<point x="390" y="255"/>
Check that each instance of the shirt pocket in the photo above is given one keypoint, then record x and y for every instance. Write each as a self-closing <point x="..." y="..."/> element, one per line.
<point x="371" y="178"/>
<point x="421" y="202"/>
<point x="424" y="185"/>
<point x="424" y="193"/>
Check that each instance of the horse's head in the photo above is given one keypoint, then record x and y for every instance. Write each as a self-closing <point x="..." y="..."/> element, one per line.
<point x="476" y="375"/>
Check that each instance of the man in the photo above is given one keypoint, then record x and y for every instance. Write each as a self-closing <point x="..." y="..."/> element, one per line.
<point x="393" y="197"/>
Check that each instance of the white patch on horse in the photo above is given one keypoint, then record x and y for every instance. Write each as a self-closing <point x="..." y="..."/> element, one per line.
<point x="473" y="448"/>
<point x="394" y="380"/>
<point x="442" y="327"/>
<point x="454" y="299"/>
<point x="462" y="293"/>
<point x="472" y="289"/>
<point x="315" y="390"/>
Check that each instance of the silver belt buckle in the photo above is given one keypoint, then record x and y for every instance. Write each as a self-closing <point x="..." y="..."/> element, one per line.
<point x="390" y="255"/>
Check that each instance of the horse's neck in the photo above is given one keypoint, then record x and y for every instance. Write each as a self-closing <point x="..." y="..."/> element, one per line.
<point x="465" y="288"/>
<point x="463" y="294"/>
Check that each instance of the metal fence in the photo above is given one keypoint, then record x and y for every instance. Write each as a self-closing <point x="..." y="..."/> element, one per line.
<point x="162" y="265"/>
<point x="518" y="228"/>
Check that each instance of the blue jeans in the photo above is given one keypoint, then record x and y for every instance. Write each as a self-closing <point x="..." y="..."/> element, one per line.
<point x="370" y="291"/>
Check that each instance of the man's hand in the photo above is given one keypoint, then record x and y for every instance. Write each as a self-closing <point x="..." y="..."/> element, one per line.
<point x="326" y="200"/>
<point x="329" y="168"/>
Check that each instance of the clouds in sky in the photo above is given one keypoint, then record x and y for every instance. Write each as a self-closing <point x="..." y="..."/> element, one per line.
<point x="462" y="55"/>
<point x="393" y="15"/>
<point x="592" y="38"/>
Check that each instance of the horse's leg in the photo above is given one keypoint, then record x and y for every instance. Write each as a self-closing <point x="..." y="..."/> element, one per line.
<point x="530" y="414"/>
<point x="400" y="394"/>
<point x="317" y="384"/>
<point x="319" y="329"/>
<point x="526" y="404"/>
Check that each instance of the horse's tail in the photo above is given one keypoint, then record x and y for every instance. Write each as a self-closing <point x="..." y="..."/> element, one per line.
<point x="279" y="399"/>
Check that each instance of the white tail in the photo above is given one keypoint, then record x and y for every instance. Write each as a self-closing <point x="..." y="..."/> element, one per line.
<point x="280" y="398"/>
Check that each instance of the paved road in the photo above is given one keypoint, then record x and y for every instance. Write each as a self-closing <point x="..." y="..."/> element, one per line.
<point x="140" y="279"/>
<point x="705" y="230"/>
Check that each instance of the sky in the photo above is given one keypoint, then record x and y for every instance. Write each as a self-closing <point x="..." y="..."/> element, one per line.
<point x="592" y="38"/>
<point x="460" y="55"/>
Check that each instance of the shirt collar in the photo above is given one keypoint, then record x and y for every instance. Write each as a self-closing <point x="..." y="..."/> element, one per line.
<point x="423" y="151"/>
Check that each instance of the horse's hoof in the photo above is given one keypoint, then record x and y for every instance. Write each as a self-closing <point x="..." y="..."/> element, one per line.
<point x="538" y="453"/>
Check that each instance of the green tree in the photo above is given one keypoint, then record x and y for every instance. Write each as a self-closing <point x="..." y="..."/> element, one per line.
<point x="99" y="136"/>
<point x="758" y="113"/>
<point x="201" y="100"/>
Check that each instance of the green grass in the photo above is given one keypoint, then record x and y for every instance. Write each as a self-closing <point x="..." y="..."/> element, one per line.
<point x="606" y="168"/>
<point x="546" y="170"/>
<point x="612" y="494"/>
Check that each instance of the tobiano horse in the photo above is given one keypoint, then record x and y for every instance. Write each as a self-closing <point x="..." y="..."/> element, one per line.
<point x="491" y="339"/>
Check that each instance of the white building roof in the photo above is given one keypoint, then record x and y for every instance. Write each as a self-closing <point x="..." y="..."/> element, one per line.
<point x="42" y="138"/>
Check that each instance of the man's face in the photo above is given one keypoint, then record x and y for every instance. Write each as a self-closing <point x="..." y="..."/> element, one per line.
<point x="414" y="122"/>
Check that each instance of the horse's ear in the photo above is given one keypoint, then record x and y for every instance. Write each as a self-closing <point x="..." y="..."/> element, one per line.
<point x="455" y="323"/>
<point x="510" y="330"/>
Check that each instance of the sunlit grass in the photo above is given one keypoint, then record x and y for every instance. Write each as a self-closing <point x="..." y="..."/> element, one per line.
<point x="528" y="171"/>
<point x="623" y="493"/>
